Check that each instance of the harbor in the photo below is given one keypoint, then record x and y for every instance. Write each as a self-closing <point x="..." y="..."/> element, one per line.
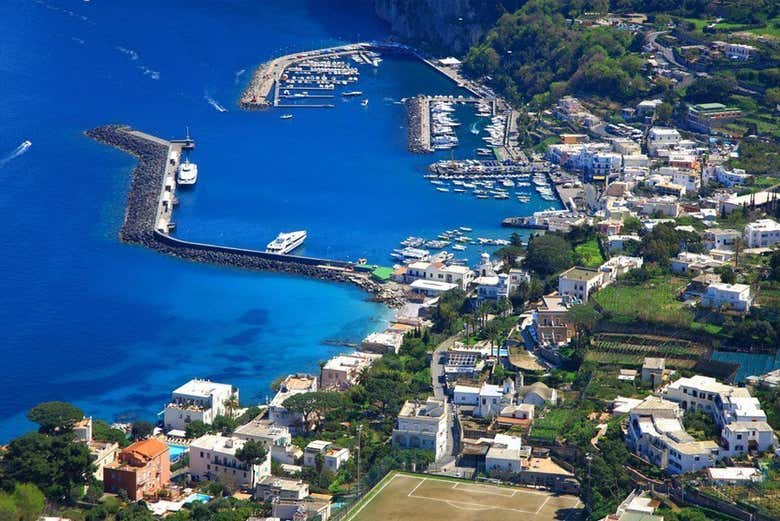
<point x="149" y="215"/>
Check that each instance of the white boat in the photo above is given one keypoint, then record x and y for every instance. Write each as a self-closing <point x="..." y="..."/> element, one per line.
<point x="285" y="116"/>
<point x="364" y="102"/>
<point x="352" y="93"/>
<point x="286" y="242"/>
<point x="459" y="247"/>
<point x="440" y="189"/>
<point x="466" y="229"/>
<point x="188" y="173"/>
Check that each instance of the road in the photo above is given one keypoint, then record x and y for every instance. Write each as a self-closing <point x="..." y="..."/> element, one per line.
<point x="447" y="461"/>
<point x="668" y="55"/>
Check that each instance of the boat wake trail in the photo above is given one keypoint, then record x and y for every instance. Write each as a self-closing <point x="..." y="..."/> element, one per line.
<point x="18" y="151"/>
<point x="214" y="103"/>
<point x="238" y="75"/>
<point x="474" y="129"/>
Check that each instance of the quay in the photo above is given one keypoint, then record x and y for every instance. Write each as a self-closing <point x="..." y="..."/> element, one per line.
<point x="418" y="124"/>
<point x="149" y="214"/>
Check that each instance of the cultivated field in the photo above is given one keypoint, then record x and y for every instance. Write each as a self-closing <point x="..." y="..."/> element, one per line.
<point x="429" y="498"/>
<point x="631" y="350"/>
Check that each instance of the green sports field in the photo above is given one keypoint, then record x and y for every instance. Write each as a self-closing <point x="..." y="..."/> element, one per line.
<point x="431" y="498"/>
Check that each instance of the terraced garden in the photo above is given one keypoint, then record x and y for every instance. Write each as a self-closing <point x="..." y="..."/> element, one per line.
<point x="631" y="350"/>
<point x="654" y="301"/>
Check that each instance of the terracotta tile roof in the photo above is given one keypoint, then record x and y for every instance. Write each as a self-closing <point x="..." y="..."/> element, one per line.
<point x="146" y="449"/>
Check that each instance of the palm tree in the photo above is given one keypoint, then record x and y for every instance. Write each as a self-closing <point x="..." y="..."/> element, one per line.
<point x="231" y="404"/>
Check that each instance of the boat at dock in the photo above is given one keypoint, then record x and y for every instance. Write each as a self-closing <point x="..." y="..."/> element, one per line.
<point x="466" y="229"/>
<point x="188" y="173"/>
<point x="440" y="189"/>
<point x="286" y="242"/>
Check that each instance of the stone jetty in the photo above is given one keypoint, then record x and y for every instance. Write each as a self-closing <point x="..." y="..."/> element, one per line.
<point x="143" y="200"/>
<point x="418" y="124"/>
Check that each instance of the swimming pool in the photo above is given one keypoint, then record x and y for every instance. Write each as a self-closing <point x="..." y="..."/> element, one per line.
<point x="177" y="451"/>
<point x="203" y="498"/>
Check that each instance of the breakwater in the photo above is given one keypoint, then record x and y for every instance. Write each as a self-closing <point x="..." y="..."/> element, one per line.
<point x="418" y="125"/>
<point x="147" y="187"/>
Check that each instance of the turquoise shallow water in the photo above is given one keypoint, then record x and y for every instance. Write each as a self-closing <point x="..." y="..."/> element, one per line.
<point x="115" y="328"/>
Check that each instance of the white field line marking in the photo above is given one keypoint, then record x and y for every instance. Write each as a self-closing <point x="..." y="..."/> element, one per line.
<point x="416" y="487"/>
<point x="543" y="503"/>
<point x="467" y="488"/>
<point x="370" y="499"/>
<point x="474" y="506"/>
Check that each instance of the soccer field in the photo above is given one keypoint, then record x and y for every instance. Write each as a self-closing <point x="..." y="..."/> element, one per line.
<point x="430" y="498"/>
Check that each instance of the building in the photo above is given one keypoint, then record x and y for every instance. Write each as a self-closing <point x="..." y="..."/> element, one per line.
<point x="688" y="179"/>
<point x="103" y="453"/>
<point x="463" y="362"/>
<point x="270" y="488"/>
<point x="213" y="457"/>
<point x="638" y="506"/>
<point x="277" y="439"/>
<point x="197" y="400"/>
<point x="655" y="432"/>
<point x="753" y="200"/>
<point x="617" y="267"/>
<point x="423" y="426"/>
<point x="142" y="470"/>
<point x="461" y="276"/>
<point x="538" y="394"/>
<point x="734" y="475"/>
<point x="729" y="178"/>
<point x="300" y="510"/>
<point x="551" y="323"/>
<point x="431" y="288"/>
<point x="505" y="455"/>
<point x="653" y="371"/>
<point x="743" y="422"/>
<point x="731" y="297"/>
<point x="739" y="51"/>
<point x="704" y="117"/>
<point x="382" y="343"/>
<point x="659" y="138"/>
<point x="720" y="238"/>
<point x="343" y="371"/>
<point x="687" y="263"/>
<point x="761" y="233"/>
<point x="579" y="282"/>
<point x="290" y="386"/>
<point x="332" y="457"/>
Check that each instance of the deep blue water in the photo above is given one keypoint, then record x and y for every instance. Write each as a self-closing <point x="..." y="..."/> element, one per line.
<point x="114" y="328"/>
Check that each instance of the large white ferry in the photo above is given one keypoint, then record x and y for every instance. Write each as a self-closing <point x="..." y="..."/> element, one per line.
<point x="188" y="173"/>
<point x="286" y="242"/>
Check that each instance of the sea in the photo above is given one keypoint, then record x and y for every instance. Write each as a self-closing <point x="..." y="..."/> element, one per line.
<point x="114" y="328"/>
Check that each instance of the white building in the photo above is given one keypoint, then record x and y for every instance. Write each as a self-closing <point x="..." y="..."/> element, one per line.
<point x="538" y="394"/>
<point x="655" y="432"/>
<point x="382" y="342"/>
<point x="762" y="233"/>
<point x="332" y="457"/>
<point x="688" y="179"/>
<point x="662" y="138"/>
<point x="720" y="238"/>
<point x="734" y="475"/>
<point x="743" y="422"/>
<point x="343" y="371"/>
<point x="461" y="276"/>
<point x="488" y="400"/>
<point x="197" y="400"/>
<point x="277" y="439"/>
<point x="431" y="288"/>
<point x="213" y="457"/>
<point x="726" y="177"/>
<point x="617" y="267"/>
<point x="739" y="51"/>
<point x="292" y="385"/>
<point x="505" y="455"/>
<point x="270" y="488"/>
<point x="422" y="426"/>
<point x="692" y="263"/>
<point x="579" y="282"/>
<point x="733" y="297"/>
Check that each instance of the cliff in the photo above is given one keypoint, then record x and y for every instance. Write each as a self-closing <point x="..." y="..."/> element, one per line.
<point x="448" y="26"/>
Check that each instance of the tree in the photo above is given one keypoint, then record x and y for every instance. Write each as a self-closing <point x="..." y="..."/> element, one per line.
<point x="196" y="429"/>
<point x="29" y="501"/>
<point x="549" y="254"/>
<point x="55" y="417"/>
<point x="102" y="431"/>
<point x="231" y="404"/>
<point x="584" y="317"/>
<point x="223" y="424"/>
<point x="727" y="275"/>
<point x="252" y="453"/>
<point x="774" y="265"/>
<point x="141" y="430"/>
<point x="55" y="464"/>
<point x="313" y="405"/>
<point x="7" y="508"/>
<point x="663" y="112"/>
<point x="135" y="512"/>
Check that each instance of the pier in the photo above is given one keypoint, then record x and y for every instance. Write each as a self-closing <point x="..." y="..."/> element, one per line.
<point x="149" y="214"/>
<point x="418" y="124"/>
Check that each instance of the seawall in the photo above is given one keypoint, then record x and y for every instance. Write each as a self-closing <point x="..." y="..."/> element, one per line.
<point x="143" y="199"/>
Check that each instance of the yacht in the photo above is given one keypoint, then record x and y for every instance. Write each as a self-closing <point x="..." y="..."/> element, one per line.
<point x="286" y="242"/>
<point x="352" y="93"/>
<point x="459" y="247"/>
<point x="286" y="116"/>
<point x="188" y="173"/>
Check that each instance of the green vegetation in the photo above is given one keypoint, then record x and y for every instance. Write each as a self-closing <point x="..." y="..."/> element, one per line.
<point x="589" y="254"/>
<point x="631" y="349"/>
<point x="548" y="254"/>
<point x="701" y="426"/>
<point x="653" y="301"/>
<point x="535" y="54"/>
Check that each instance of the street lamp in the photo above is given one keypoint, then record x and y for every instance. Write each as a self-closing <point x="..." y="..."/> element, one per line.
<point x="359" y="430"/>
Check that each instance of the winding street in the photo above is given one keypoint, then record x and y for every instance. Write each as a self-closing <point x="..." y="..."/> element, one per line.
<point x="446" y="462"/>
